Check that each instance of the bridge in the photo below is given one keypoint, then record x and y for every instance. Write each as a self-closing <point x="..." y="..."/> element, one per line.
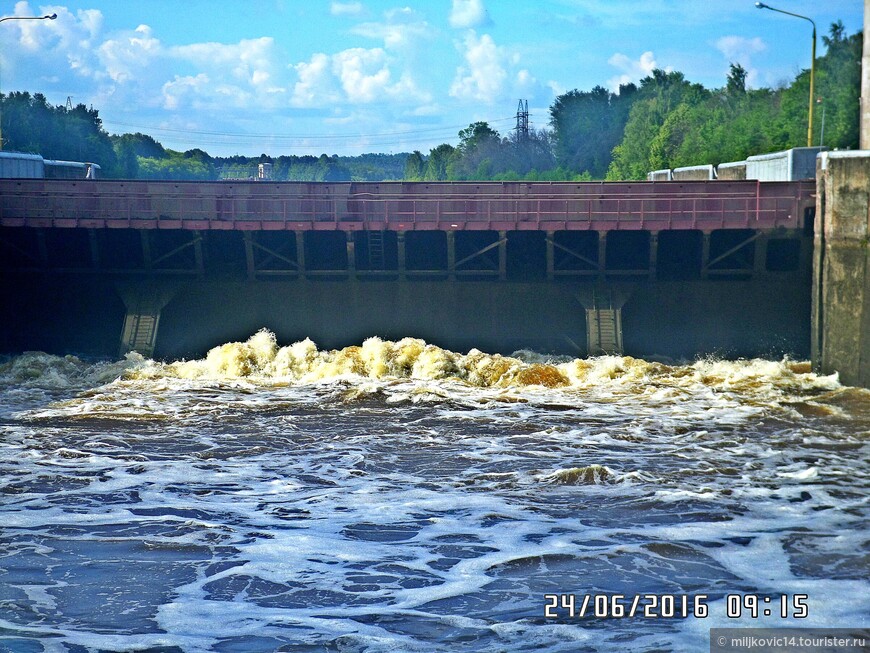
<point x="159" y="243"/>
<point x="385" y="213"/>
<point x="403" y="206"/>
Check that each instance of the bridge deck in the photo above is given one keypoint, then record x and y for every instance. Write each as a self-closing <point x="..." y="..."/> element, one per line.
<point x="404" y="206"/>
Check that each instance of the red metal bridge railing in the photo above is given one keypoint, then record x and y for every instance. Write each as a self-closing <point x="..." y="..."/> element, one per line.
<point x="404" y="206"/>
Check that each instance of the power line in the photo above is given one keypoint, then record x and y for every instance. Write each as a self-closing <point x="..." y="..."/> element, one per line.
<point x="292" y="137"/>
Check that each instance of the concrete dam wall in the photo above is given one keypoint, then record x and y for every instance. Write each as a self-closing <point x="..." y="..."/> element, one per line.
<point x="676" y="293"/>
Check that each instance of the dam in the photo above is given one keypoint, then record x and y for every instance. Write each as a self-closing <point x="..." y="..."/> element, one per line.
<point x="675" y="269"/>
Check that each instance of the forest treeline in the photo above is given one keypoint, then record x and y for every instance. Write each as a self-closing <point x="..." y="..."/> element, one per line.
<point x="665" y="121"/>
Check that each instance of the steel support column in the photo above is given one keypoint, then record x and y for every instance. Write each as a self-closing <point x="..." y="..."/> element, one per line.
<point x="759" y="263"/>
<point x="502" y="255"/>
<point x="197" y="253"/>
<point x="300" y="251"/>
<point x="705" y="254"/>
<point x="249" y="255"/>
<point x="602" y="254"/>
<point x="400" y="252"/>
<point x="653" y="254"/>
<point x="351" y="254"/>
<point x="551" y="256"/>
<point x="451" y="255"/>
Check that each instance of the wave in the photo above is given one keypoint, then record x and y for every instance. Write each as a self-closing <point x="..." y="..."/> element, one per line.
<point x="261" y="360"/>
<point x="36" y="369"/>
<point x="588" y="475"/>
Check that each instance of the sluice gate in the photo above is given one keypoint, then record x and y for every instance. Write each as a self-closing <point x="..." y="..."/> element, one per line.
<point x="676" y="268"/>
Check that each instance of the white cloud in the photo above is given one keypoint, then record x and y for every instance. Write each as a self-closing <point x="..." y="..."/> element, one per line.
<point x="125" y="57"/>
<point x="632" y="70"/>
<point x="363" y="74"/>
<point x="738" y="49"/>
<point x="468" y="13"/>
<point x="346" y="8"/>
<point x="72" y="37"/>
<point x="249" y="61"/>
<point x="316" y="85"/>
<point x="402" y="29"/>
<point x="182" y="88"/>
<point x="492" y="73"/>
<point x="483" y="77"/>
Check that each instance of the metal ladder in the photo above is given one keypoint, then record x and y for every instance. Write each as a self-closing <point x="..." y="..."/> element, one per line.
<point x="376" y="249"/>
<point x="603" y="326"/>
<point x="140" y="328"/>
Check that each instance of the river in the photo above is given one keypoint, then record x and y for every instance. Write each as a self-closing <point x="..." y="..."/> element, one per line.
<point x="399" y="497"/>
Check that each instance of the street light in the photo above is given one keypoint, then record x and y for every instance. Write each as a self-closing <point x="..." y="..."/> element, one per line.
<point x="761" y="5"/>
<point x="46" y="17"/>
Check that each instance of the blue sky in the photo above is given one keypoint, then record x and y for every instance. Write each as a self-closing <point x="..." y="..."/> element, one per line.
<point x="352" y="76"/>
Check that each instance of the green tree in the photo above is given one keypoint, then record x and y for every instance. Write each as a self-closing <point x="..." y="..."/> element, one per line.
<point x="128" y="162"/>
<point x="587" y="125"/>
<point x="436" y="166"/>
<point x="650" y="139"/>
<point x="414" y="166"/>
<point x="175" y="166"/>
<point x="141" y="144"/>
<point x="330" y="169"/>
<point x="838" y="89"/>
<point x="736" y="84"/>
<point x="31" y="124"/>
<point x="476" y="135"/>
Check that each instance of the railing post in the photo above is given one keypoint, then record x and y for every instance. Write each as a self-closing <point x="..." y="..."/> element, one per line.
<point x="757" y="201"/>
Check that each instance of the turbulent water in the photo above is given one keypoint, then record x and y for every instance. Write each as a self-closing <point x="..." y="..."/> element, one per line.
<point x="399" y="497"/>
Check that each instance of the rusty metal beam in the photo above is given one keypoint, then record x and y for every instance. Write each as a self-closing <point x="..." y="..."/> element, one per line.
<point x="393" y="206"/>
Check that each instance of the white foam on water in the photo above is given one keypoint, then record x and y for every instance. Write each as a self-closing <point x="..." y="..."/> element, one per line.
<point x="398" y="496"/>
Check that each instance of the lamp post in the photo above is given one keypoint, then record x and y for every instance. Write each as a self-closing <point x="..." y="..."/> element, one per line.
<point x="761" y="5"/>
<point x="2" y="20"/>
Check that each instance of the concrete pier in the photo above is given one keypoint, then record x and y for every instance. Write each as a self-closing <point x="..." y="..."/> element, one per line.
<point x="841" y="267"/>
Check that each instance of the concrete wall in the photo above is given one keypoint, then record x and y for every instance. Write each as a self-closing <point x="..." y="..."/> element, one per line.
<point x="21" y="166"/>
<point x="841" y="267"/>
<point x="734" y="171"/>
<point x="660" y="175"/>
<point x="788" y="165"/>
<point x="765" y="316"/>
<point x="695" y="173"/>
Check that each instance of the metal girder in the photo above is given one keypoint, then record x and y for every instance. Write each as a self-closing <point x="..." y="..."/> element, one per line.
<point x="588" y="261"/>
<point x="731" y="251"/>
<point x="498" y="242"/>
